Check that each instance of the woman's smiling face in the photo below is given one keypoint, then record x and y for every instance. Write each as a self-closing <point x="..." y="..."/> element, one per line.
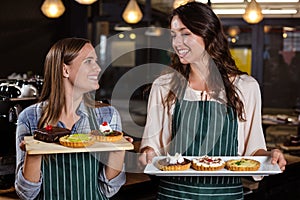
<point x="187" y="45"/>
<point x="84" y="70"/>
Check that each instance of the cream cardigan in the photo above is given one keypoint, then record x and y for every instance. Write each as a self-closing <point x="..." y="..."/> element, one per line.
<point x="157" y="132"/>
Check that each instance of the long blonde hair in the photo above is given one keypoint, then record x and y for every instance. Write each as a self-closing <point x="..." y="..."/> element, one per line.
<point x="62" y="52"/>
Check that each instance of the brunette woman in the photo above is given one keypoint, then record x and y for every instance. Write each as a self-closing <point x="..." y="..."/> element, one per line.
<point x="205" y="106"/>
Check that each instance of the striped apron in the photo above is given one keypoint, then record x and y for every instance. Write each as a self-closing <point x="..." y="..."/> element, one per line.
<point x="71" y="176"/>
<point x="202" y="128"/>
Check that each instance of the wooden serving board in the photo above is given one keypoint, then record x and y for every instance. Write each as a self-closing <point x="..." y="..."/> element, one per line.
<point x="38" y="147"/>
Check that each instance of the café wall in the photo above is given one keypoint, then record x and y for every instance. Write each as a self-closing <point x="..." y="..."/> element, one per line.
<point x="26" y="34"/>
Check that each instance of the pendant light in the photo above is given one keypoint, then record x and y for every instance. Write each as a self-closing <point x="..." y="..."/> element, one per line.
<point x="178" y="3"/>
<point x="132" y="13"/>
<point x="86" y="2"/>
<point x="253" y="13"/>
<point x="53" y="8"/>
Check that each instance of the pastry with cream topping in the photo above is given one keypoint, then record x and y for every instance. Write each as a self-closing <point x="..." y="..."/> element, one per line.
<point x="174" y="163"/>
<point x="207" y="163"/>
<point x="106" y="134"/>
<point x="105" y="128"/>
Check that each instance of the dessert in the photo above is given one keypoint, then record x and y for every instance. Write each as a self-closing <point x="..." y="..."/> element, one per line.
<point x="206" y="163"/>
<point x="105" y="128"/>
<point x="106" y="134"/>
<point x="242" y="164"/>
<point x="174" y="163"/>
<point x="50" y="134"/>
<point x="77" y="140"/>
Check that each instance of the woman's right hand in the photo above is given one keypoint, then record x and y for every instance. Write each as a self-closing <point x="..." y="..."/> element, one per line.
<point x="22" y="145"/>
<point x="147" y="154"/>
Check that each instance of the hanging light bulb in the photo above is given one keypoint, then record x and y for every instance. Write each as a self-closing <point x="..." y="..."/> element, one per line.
<point x="253" y="13"/>
<point x="233" y="31"/>
<point x="132" y="13"/>
<point x="53" y="8"/>
<point x="178" y="3"/>
<point x="86" y="2"/>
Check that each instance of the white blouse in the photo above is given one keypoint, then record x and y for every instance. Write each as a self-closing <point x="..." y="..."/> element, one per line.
<point x="157" y="132"/>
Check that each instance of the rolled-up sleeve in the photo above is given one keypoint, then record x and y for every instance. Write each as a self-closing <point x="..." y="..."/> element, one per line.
<point x="25" y="189"/>
<point x="111" y="187"/>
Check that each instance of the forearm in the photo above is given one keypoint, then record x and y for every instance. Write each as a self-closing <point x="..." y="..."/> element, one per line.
<point x="32" y="168"/>
<point x="25" y="183"/>
<point x="262" y="152"/>
<point x="114" y="164"/>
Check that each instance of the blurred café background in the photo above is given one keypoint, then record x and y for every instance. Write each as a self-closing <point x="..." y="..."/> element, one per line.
<point x="266" y="47"/>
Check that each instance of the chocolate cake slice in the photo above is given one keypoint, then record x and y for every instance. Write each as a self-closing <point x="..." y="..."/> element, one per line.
<point x="50" y="134"/>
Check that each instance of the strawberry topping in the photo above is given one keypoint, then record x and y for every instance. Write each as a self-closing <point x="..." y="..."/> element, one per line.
<point x="48" y="127"/>
<point x="104" y="124"/>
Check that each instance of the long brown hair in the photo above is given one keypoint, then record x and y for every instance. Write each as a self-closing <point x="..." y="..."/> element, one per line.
<point x="202" y="21"/>
<point x="62" y="52"/>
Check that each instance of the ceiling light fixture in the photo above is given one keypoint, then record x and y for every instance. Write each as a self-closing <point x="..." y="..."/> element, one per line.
<point x="132" y="13"/>
<point x="279" y="11"/>
<point x="53" y="8"/>
<point x="233" y="31"/>
<point x="122" y="27"/>
<point x="229" y="11"/>
<point x="264" y="11"/>
<point x="277" y="1"/>
<point x="253" y="13"/>
<point x="86" y="2"/>
<point x="178" y="3"/>
<point x="241" y="1"/>
<point x="153" y="31"/>
<point x="229" y="1"/>
<point x="221" y="1"/>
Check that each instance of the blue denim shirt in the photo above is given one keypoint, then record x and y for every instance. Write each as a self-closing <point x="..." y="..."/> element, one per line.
<point x="27" y="123"/>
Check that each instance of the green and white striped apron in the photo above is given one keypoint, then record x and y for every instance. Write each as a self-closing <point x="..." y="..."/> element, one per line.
<point x="202" y="128"/>
<point x="72" y="176"/>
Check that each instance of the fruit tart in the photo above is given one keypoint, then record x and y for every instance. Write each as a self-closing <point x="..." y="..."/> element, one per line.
<point x="242" y="164"/>
<point x="207" y="163"/>
<point x="77" y="140"/>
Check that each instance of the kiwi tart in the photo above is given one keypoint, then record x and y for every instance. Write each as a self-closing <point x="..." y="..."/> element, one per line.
<point x="242" y="164"/>
<point x="77" y="140"/>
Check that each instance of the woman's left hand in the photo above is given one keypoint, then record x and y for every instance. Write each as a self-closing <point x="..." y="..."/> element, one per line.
<point x="129" y="139"/>
<point x="278" y="157"/>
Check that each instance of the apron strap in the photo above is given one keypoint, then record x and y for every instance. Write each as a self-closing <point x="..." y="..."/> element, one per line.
<point x="92" y="118"/>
